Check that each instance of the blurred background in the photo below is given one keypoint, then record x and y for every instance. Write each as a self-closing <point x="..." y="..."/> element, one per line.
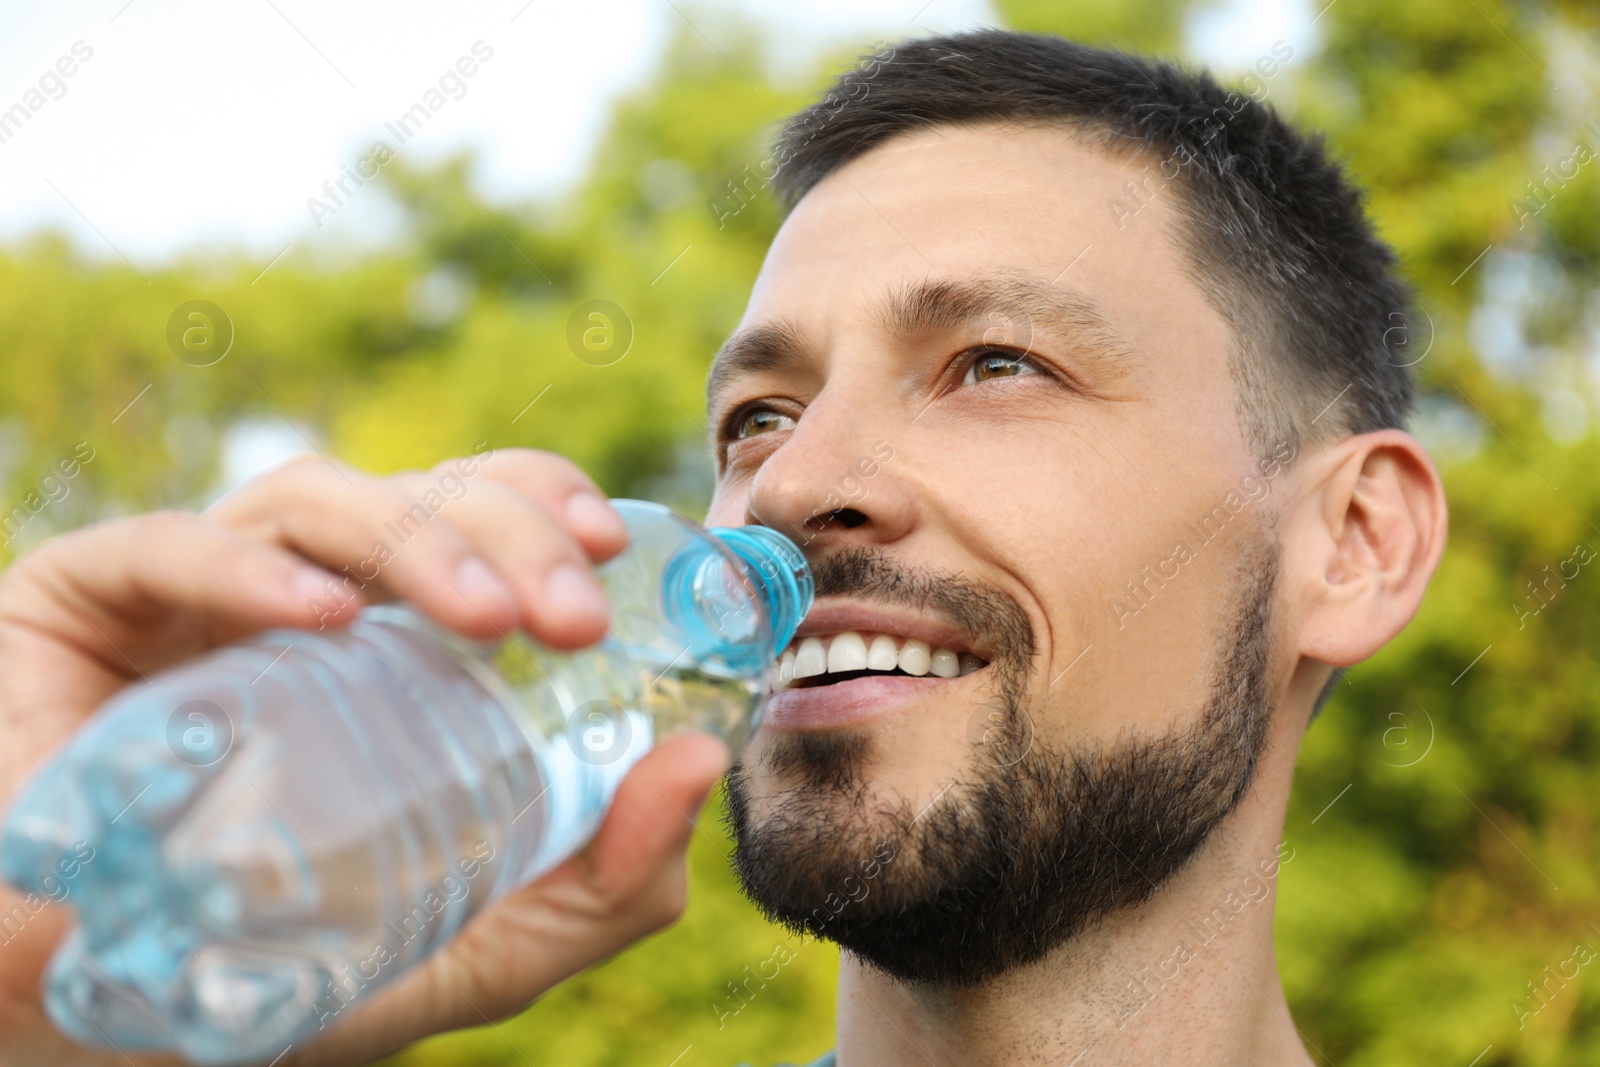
<point x="207" y="266"/>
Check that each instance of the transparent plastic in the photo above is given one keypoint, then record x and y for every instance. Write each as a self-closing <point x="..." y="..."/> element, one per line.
<point x="280" y="827"/>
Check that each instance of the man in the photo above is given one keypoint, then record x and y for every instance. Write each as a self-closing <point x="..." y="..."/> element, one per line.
<point x="1073" y="375"/>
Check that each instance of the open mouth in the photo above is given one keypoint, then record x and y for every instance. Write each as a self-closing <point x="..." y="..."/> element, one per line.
<point x="825" y="659"/>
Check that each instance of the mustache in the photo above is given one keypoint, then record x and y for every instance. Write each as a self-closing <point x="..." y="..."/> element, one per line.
<point x="986" y="613"/>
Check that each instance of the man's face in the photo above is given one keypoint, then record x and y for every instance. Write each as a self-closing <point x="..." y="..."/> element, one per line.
<point x="1021" y="417"/>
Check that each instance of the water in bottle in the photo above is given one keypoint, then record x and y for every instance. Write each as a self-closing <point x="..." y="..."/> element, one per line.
<point x="280" y="827"/>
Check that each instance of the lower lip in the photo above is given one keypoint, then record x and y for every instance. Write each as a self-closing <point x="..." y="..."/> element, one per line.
<point x="852" y="702"/>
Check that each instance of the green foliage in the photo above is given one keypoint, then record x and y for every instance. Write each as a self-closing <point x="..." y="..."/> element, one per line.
<point x="1462" y="858"/>
<point x="658" y="231"/>
<point x="1149" y="26"/>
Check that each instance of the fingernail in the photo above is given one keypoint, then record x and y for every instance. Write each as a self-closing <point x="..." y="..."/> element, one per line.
<point x="571" y="590"/>
<point x="479" y="584"/>
<point x="590" y="513"/>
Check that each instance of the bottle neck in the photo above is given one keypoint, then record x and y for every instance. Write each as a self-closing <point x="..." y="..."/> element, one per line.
<point x="778" y="570"/>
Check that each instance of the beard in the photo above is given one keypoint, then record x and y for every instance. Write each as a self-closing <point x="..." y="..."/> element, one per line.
<point x="1031" y="843"/>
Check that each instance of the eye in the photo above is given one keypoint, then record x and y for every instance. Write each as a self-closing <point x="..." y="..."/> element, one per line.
<point x="758" y="421"/>
<point x="998" y="363"/>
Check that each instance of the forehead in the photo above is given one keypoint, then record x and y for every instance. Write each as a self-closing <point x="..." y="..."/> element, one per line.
<point x="948" y="202"/>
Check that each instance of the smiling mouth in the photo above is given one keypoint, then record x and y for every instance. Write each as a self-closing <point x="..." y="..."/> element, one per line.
<point x="826" y="659"/>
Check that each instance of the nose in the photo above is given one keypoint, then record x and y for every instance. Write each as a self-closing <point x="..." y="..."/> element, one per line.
<point x="834" y="482"/>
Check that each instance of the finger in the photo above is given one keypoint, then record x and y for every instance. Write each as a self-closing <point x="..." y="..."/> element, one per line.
<point x="374" y="534"/>
<point x="652" y="819"/>
<point x="561" y="602"/>
<point x="562" y="489"/>
<point x="102" y="587"/>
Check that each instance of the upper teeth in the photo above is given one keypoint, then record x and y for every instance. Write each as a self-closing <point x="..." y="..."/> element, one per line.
<point x="851" y="650"/>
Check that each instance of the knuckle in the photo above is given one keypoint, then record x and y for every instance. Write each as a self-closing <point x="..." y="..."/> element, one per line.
<point x="293" y="475"/>
<point x="310" y="472"/>
<point x="411" y="475"/>
<point x="394" y="493"/>
<point x="667" y="897"/>
<point x="670" y="904"/>
<point x="548" y="466"/>
<point x="164" y="524"/>
<point x="453" y="465"/>
<point x="408" y="485"/>
<point x="294" y="468"/>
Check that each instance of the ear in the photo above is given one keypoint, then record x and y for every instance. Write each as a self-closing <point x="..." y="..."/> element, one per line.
<point x="1365" y="536"/>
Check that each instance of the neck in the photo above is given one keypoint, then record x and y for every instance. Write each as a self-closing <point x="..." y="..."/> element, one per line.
<point x="1188" y="977"/>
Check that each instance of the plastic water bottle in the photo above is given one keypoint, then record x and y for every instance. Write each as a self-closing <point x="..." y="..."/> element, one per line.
<point x="280" y="827"/>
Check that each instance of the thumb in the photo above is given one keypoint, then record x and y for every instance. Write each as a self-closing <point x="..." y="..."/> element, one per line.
<point x="652" y="817"/>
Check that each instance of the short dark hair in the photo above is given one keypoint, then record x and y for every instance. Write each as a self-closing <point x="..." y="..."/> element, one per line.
<point x="1276" y="234"/>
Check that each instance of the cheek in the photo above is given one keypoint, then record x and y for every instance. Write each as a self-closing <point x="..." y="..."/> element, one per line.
<point x="1155" y="640"/>
<point x="1076" y="525"/>
<point x="728" y="503"/>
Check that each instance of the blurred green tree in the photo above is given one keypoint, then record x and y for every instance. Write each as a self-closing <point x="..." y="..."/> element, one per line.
<point x="1445" y="812"/>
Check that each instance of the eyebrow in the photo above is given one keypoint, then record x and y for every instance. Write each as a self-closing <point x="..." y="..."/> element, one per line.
<point x="768" y="347"/>
<point x="928" y="307"/>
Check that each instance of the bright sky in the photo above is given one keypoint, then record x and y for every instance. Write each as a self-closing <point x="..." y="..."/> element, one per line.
<point x="195" y="124"/>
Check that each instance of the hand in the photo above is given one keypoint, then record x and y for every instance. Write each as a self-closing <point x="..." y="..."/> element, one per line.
<point x="93" y="610"/>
